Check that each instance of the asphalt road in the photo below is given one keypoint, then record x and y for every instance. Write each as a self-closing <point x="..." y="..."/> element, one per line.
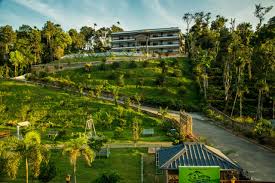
<point x="258" y="161"/>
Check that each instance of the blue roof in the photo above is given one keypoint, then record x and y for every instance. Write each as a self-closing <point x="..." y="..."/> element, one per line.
<point x="194" y="154"/>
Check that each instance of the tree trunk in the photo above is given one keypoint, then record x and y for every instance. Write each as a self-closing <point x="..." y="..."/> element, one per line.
<point x="15" y="71"/>
<point x="204" y="86"/>
<point x="233" y="107"/>
<point x="74" y="172"/>
<point x="241" y="106"/>
<point x="273" y="109"/>
<point x="259" y="105"/>
<point x="27" y="171"/>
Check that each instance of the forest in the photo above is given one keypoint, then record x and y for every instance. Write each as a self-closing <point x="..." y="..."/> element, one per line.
<point x="234" y="65"/>
<point x="19" y="49"/>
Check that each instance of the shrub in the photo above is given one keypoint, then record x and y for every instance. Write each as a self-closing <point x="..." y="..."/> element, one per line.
<point x="127" y="102"/>
<point x="47" y="171"/>
<point x="140" y="82"/>
<point x="108" y="177"/>
<point x="132" y="64"/>
<point x="88" y="67"/>
<point x="128" y="74"/>
<point x="102" y="67"/>
<point x="160" y="80"/>
<point x="263" y="129"/>
<point x="177" y="73"/>
<point x="115" y="65"/>
<point x="145" y="63"/>
<point x="120" y="80"/>
<point x="118" y="133"/>
<point x="120" y="122"/>
<point x="42" y="74"/>
<point x="97" y="142"/>
<point x="181" y="90"/>
<point x="209" y="113"/>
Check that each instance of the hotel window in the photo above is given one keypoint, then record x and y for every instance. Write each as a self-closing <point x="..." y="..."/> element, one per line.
<point x="170" y="34"/>
<point x="170" y="42"/>
<point x="154" y="44"/>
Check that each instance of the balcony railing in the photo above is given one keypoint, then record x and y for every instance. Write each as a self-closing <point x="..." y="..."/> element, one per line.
<point x="149" y="46"/>
<point x="151" y="38"/>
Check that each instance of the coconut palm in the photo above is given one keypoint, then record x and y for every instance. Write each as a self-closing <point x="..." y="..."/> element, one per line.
<point x="77" y="147"/>
<point x="30" y="149"/>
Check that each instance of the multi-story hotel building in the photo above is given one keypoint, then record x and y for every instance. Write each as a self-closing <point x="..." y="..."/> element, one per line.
<point x="163" y="41"/>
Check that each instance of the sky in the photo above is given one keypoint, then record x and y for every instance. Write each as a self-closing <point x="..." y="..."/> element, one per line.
<point x="132" y="14"/>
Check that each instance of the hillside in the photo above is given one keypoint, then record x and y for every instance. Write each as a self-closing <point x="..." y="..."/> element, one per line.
<point x="160" y="82"/>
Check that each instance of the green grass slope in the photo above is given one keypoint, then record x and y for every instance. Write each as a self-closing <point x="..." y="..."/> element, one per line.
<point x="179" y="90"/>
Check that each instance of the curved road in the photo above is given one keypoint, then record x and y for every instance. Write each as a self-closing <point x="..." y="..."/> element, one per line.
<point x="259" y="162"/>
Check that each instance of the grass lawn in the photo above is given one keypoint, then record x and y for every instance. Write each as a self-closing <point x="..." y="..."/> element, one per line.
<point x="49" y="109"/>
<point x="178" y="92"/>
<point x="124" y="161"/>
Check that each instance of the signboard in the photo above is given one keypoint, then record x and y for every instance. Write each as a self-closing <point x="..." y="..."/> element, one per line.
<point x="199" y="174"/>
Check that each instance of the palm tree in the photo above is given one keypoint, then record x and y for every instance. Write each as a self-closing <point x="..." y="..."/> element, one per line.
<point x="30" y="149"/>
<point x="77" y="147"/>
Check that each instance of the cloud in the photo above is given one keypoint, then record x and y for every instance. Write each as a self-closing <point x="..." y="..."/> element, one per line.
<point x="162" y="13"/>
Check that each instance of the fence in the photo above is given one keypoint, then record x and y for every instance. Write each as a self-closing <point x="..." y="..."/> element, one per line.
<point x="229" y="122"/>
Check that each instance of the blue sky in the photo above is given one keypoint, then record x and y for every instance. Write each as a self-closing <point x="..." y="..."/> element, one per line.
<point x="132" y="14"/>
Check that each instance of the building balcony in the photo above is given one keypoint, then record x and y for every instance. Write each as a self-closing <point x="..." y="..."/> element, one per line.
<point x="151" y="38"/>
<point x="149" y="46"/>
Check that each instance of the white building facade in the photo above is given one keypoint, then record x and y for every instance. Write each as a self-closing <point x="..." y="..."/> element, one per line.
<point x="167" y="41"/>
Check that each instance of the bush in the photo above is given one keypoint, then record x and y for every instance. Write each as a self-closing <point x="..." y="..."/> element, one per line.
<point x="102" y="67"/>
<point x="120" y="122"/>
<point x="181" y="90"/>
<point x="177" y="73"/>
<point x="97" y="142"/>
<point x="108" y="177"/>
<point x="120" y="80"/>
<point x="263" y="129"/>
<point x="118" y="133"/>
<point x="127" y="102"/>
<point x="47" y="171"/>
<point x="160" y="80"/>
<point x="145" y="63"/>
<point x="115" y="65"/>
<point x="88" y="67"/>
<point x="128" y="74"/>
<point x="132" y="64"/>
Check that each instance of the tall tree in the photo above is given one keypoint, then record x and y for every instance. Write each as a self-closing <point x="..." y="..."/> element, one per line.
<point x="17" y="59"/>
<point x="260" y="12"/>
<point x="78" y="40"/>
<point x="87" y="32"/>
<point x="7" y="40"/>
<point x="77" y="147"/>
<point x="30" y="149"/>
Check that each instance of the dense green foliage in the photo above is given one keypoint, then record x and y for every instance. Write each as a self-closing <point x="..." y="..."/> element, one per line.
<point x="28" y="45"/>
<point x="234" y="66"/>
